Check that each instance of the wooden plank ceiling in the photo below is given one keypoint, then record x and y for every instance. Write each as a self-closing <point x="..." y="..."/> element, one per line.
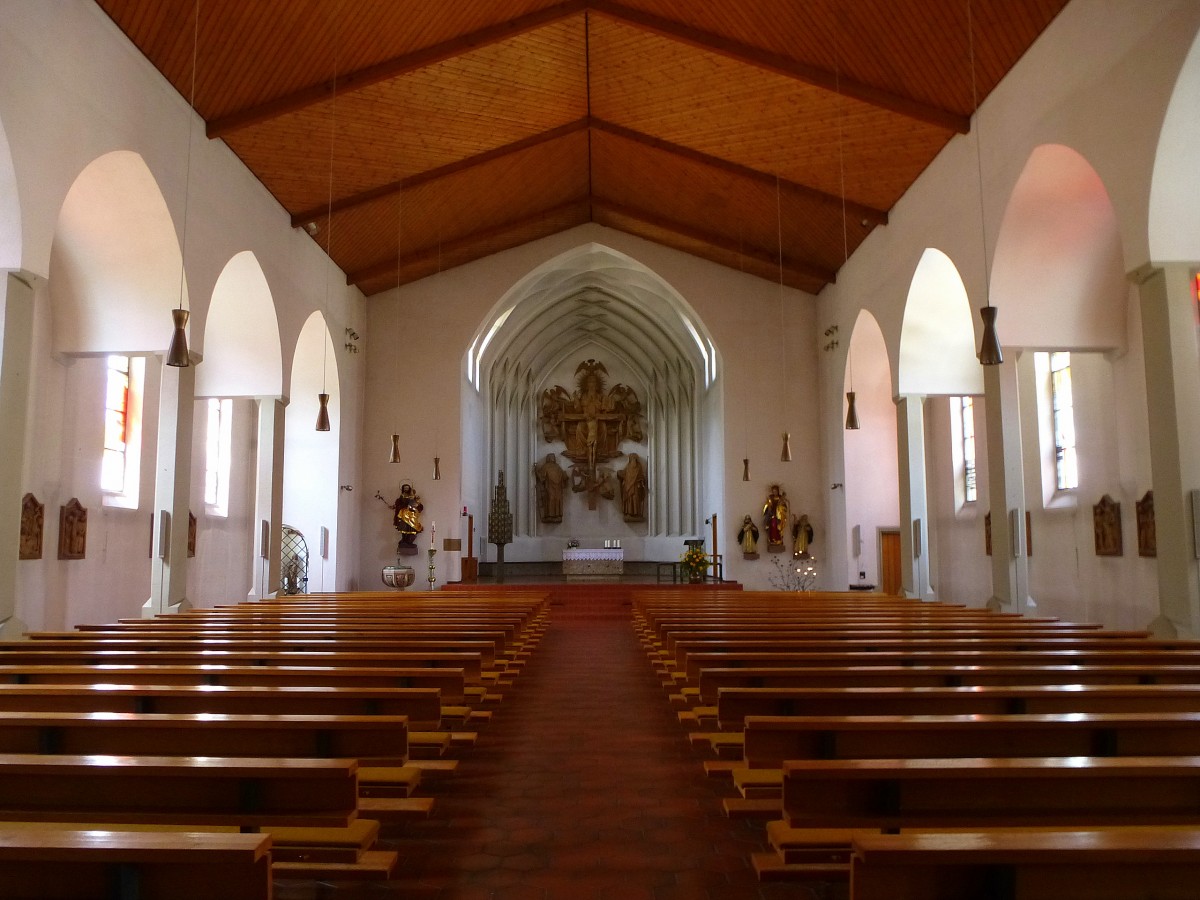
<point x="771" y="136"/>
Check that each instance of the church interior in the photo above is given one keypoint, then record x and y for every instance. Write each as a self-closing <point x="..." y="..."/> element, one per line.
<point x="582" y="328"/>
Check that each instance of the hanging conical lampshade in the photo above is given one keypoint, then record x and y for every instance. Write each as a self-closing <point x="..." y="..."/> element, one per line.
<point x="322" y="412"/>
<point x="177" y="354"/>
<point x="989" y="347"/>
<point x="745" y="470"/>
<point x="437" y="468"/>
<point x="394" y="457"/>
<point x="851" y="412"/>
<point x="786" y="455"/>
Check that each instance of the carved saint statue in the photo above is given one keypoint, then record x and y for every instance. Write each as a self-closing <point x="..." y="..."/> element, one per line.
<point x="550" y="479"/>
<point x="748" y="538"/>
<point x="406" y="516"/>
<point x="775" y="518"/>
<point x="802" y="535"/>
<point x="633" y="489"/>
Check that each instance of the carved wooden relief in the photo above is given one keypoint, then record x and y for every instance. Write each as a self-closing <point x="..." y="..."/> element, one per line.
<point x="33" y="526"/>
<point x="1146" y="534"/>
<point x="72" y="530"/>
<point x="987" y="533"/>
<point x="191" y="550"/>
<point x="1106" y="522"/>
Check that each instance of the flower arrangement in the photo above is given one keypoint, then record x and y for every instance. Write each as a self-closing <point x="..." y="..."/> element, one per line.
<point x="694" y="563"/>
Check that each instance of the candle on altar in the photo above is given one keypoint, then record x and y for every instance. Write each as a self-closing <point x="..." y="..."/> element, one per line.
<point x="432" y="533"/>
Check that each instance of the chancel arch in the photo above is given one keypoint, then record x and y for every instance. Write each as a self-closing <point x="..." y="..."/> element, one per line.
<point x="593" y="343"/>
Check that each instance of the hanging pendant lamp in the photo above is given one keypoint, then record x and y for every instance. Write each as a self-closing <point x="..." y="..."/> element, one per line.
<point x="437" y="468"/>
<point x="322" y="411"/>
<point x="851" y="412"/>
<point x="746" y="469"/>
<point x="395" y="454"/>
<point x="786" y="455"/>
<point x="177" y="354"/>
<point x="989" y="347"/>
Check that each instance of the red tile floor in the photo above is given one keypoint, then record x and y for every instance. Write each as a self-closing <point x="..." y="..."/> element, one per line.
<point x="583" y="787"/>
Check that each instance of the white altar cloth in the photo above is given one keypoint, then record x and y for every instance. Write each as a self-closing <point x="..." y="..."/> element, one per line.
<point x="579" y="561"/>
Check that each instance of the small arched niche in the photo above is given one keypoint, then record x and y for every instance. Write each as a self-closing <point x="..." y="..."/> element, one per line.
<point x="115" y="264"/>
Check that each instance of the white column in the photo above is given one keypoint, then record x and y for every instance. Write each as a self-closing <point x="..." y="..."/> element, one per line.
<point x="914" y="506"/>
<point x="1172" y="381"/>
<point x="172" y="491"/>
<point x="268" y="498"/>
<point x="16" y="361"/>
<point x="1006" y="495"/>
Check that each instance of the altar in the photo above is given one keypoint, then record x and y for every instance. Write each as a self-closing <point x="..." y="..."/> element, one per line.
<point x="598" y="563"/>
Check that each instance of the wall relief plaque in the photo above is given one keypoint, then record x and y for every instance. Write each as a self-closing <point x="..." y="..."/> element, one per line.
<point x="1147" y="536"/>
<point x="1106" y="522"/>
<point x="33" y="526"/>
<point x="72" y="530"/>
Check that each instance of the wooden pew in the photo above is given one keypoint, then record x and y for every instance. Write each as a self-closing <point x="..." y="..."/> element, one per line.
<point x="471" y="664"/>
<point x="83" y="644"/>
<point x="895" y="794"/>
<point x="735" y="704"/>
<point x="381" y="740"/>
<point x="422" y="707"/>
<point x="178" y="790"/>
<point x="1112" y="864"/>
<point x="451" y="683"/>
<point x="88" y="864"/>
<point x="696" y="662"/>
<point x="712" y="680"/>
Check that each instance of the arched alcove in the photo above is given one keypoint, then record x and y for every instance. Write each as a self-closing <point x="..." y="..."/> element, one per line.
<point x="1058" y="275"/>
<point x="311" y="457"/>
<point x="10" y="208"/>
<point x="242" y="353"/>
<point x="871" y="468"/>
<point x="937" y="341"/>
<point x="1173" y="222"/>
<point x="115" y="264"/>
<point x="594" y="303"/>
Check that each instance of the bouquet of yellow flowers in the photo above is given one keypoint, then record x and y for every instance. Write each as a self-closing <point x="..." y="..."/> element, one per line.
<point x="694" y="562"/>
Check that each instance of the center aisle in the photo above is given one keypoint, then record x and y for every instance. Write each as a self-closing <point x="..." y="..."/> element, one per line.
<point x="583" y="788"/>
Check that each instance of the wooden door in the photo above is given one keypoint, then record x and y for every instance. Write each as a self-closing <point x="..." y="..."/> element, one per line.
<point x="889" y="561"/>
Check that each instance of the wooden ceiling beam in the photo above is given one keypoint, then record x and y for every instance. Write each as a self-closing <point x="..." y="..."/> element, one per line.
<point x="800" y="269"/>
<point x="376" y="270"/>
<point x="392" y="68"/>
<point x="317" y="213"/>
<point x="782" y="65"/>
<point x="857" y="211"/>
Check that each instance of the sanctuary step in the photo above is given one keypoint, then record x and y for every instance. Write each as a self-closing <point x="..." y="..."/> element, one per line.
<point x="591" y="600"/>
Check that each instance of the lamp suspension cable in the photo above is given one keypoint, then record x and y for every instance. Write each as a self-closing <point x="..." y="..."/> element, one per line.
<point x="178" y="355"/>
<point x="989" y="348"/>
<point x="851" y="408"/>
<point x="786" y="454"/>
<point x="323" y="397"/>
<point x="394" y="457"/>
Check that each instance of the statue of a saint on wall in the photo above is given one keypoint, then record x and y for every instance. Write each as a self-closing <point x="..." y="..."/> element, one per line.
<point x="633" y="489"/>
<point x="775" y="518"/>
<point x="551" y="478"/>
<point x="747" y="537"/>
<point x="802" y="535"/>
<point x="406" y="517"/>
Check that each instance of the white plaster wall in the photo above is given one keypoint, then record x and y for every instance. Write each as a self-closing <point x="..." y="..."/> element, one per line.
<point x="768" y="352"/>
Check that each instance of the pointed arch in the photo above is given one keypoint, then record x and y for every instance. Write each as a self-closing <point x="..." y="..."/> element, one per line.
<point x="10" y="208"/>
<point x="311" y="457"/>
<point x="1174" y="225"/>
<point x="115" y="263"/>
<point x="937" y="340"/>
<point x="1058" y="276"/>
<point x="242" y="352"/>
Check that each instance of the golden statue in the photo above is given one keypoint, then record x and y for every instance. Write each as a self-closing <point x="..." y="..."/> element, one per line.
<point x="775" y="518"/>
<point x="406" y="516"/>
